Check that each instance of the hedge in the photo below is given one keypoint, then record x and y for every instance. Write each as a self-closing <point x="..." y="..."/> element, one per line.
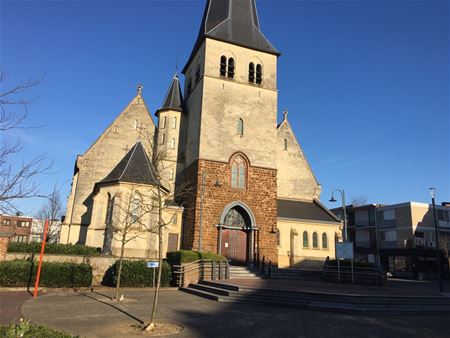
<point x="136" y="274"/>
<point x="53" y="248"/>
<point x="21" y="272"/>
<point x="187" y="256"/>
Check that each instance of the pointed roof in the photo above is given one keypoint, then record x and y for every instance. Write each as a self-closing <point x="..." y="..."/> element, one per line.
<point x="135" y="167"/>
<point x="233" y="21"/>
<point x="174" y="98"/>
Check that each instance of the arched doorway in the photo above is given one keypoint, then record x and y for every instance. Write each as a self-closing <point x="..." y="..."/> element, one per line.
<point x="236" y="233"/>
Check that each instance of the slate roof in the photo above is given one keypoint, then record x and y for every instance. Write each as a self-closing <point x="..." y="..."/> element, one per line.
<point x="135" y="167"/>
<point x="314" y="211"/>
<point x="234" y="21"/>
<point x="174" y="98"/>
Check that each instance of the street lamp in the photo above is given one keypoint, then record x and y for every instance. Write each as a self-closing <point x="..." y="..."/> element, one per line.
<point x="436" y="235"/>
<point x="332" y="199"/>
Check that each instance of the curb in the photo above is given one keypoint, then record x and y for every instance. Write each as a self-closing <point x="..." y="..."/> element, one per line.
<point x="93" y="288"/>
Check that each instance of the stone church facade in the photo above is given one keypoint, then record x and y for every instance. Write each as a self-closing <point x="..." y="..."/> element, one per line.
<point x="252" y="191"/>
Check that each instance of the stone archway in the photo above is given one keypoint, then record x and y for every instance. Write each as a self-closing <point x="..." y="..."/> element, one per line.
<point x="237" y="233"/>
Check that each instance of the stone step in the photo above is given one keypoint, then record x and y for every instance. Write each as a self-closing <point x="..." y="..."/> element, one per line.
<point x="320" y="301"/>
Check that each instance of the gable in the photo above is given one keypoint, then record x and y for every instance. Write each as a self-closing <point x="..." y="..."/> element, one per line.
<point x="295" y="179"/>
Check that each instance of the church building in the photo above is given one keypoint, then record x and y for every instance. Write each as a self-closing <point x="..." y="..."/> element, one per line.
<point x="251" y="190"/>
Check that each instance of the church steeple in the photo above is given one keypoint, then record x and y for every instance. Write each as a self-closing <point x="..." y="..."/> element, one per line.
<point x="233" y="21"/>
<point x="174" y="98"/>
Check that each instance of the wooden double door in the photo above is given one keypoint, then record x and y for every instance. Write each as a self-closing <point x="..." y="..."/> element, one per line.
<point x="235" y="246"/>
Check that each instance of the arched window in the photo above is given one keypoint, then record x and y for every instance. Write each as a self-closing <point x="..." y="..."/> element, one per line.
<point x="163" y="122"/>
<point x="223" y="65"/>
<point x="305" y="239"/>
<point x="172" y="144"/>
<point x="109" y="210"/>
<point x="251" y="72"/>
<point x="231" y="68"/>
<point x="285" y="144"/>
<point x="258" y="74"/>
<point x="238" y="172"/>
<point x="135" y="210"/>
<point x="240" y="127"/>
<point x="163" y="139"/>
<point x="315" y="240"/>
<point x="174" y="123"/>
<point x="324" y="241"/>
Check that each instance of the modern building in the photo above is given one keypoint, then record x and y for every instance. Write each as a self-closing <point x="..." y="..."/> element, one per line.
<point x="18" y="226"/>
<point x="37" y="230"/>
<point x="401" y="236"/>
<point x="253" y="193"/>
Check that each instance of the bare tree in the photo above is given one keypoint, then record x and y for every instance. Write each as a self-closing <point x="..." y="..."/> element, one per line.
<point x="165" y="209"/>
<point x="359" y="200"/>
<point x="16" y="181"/>
<point x="52" y="210"/>
<point x="130" y="221"/>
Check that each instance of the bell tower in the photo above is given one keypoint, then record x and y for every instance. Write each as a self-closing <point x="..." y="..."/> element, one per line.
<point x="230" y="128"/>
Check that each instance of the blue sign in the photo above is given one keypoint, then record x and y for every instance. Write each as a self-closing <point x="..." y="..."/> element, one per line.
<point x="152" y="265"/>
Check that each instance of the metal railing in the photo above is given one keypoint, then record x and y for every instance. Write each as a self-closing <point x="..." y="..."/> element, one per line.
<point x="203" y="269"/>
<point x="359" y="275"/>
<point x="263" y="265"/>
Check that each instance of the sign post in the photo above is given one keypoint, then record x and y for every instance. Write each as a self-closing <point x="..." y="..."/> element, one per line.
<point x="41" y="256"/>
<point x="344" y="250"/>
<point x="153" y="265"/>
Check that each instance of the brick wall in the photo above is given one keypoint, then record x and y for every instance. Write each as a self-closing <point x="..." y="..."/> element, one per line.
<point x="259" y="196"/>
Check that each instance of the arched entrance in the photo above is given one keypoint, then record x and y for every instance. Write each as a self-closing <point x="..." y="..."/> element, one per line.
<point x="236" y="233"/>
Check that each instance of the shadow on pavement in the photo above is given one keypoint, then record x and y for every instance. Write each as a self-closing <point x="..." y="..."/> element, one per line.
<point x="112" y="306"/>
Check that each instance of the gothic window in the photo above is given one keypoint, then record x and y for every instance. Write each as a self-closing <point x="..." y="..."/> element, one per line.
<point x="251" y="72"/>
<point x="231" y="68"/>
<point x="234" y="218"/>
<point x="315" y="240"/>
<point x="285" y="144"/>
<point x="163" y="122"/>
<point x="109" y="210"/>
<point x="305" y="239"/>
<point x="324" y="241"/>
<point x="135" y="211"/>
<point x="258" y="74"/>
<point x="174" y="123"/>
<point x="172" y="144"/>
<point x="163" y="139"/>
<point x="238" y="172"/>
<point x="223" y="65"/>
<point x="240" y="127"/>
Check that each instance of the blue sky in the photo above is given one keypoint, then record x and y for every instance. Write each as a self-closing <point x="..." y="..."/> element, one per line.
<point x="366" y="83"/>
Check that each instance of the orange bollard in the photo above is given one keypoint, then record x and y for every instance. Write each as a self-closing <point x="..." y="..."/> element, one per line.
<point x="41" y="256"/>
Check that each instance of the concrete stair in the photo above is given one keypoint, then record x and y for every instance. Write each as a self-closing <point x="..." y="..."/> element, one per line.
<point x="357" y="304"/>
<point x="244" y="272"/>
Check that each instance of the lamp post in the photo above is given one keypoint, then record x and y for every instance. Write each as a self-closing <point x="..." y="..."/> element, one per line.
<point x="436" y="235"/>
<point x="332" y="199"/>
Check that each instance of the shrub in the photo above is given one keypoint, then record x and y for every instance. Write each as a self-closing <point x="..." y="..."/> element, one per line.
<point x="26" y="329"/>
<point x="53" y="248"/>
<point x="187" y="256"/>
<point x="136" y="274"/>
<point x="19" y="273"/>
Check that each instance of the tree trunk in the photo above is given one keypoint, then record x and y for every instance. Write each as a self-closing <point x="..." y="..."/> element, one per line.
<point x="151" y="326"/>
<point x="119" y="274"/>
